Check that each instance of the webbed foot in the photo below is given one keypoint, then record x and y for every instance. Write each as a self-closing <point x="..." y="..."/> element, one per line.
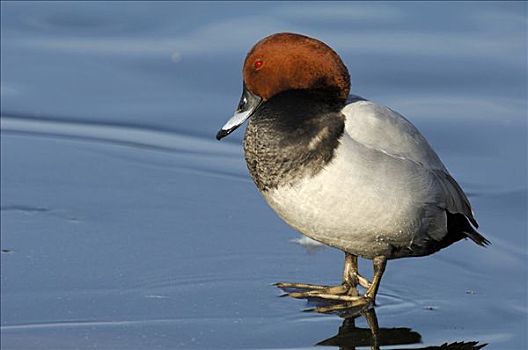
<point x="342" y="297"/>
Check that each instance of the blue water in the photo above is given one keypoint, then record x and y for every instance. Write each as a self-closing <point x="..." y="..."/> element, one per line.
<point x="126" y="225"/>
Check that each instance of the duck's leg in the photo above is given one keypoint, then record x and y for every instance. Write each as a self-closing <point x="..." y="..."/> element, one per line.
<point x="354" y="301"/>
<point x="351" y="270"/>
<point x="351" y="278"/>
<point x="379" y="264"/>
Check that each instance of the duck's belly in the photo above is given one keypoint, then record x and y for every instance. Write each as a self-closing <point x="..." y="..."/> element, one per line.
<point x="353" y="209"/>
<point x="351" y="223"/>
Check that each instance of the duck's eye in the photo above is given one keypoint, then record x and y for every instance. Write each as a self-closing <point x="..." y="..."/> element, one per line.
<point x="258" y="64"/>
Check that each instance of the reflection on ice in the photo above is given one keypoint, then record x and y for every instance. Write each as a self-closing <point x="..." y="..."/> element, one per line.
<point x="350" y="336"/>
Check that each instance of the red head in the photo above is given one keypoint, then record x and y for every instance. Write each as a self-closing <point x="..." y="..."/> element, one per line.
<point x="287" y="61"/>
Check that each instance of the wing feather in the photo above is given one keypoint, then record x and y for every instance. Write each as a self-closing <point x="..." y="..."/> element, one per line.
<point x="387" y="131"/>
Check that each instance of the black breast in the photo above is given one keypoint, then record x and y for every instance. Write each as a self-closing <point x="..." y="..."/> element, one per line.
<point x="291" y="136"/>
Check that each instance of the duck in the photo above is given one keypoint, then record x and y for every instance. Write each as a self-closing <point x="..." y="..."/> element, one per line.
<point x="342" y="170"/>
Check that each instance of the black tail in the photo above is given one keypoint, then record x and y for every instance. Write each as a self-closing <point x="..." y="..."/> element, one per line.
<point x="459" y="226"/>
<point x="477" y="237"/>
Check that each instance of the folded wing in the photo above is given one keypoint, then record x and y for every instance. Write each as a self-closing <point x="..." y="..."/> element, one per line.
<point x="387" y="131"/>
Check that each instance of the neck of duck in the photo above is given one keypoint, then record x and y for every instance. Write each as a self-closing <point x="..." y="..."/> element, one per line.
<point x="293" y="135"/>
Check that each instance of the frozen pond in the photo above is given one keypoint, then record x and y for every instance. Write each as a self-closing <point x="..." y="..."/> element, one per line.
<point x="126" y="225"/>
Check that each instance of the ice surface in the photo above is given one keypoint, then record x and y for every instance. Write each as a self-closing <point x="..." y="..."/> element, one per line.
<point x="126" y="225"/>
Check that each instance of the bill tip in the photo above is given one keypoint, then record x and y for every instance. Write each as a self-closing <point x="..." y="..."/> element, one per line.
<point x="221" y="134"/>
